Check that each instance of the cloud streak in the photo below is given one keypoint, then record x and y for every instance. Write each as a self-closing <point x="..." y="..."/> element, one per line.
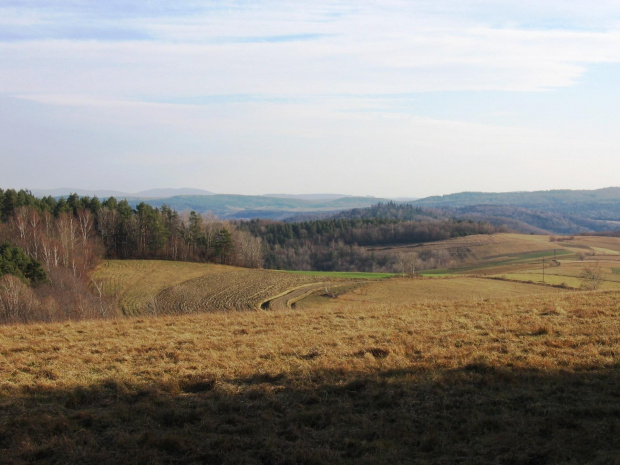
<point x="265" y="51"/>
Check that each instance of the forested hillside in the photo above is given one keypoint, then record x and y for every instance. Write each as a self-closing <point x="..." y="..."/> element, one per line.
<point x="339" y="244"/>
<point x="120" y="231"/>
<point x="570" y="200"/>
<point x="556" y="211"/>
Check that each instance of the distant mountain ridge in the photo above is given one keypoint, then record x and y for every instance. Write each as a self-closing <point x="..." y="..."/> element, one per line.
<point x="523" y="199"/>
<point x="542" y="212"/>
<point x="228" y="206"/>
<point x="325" y="197"/>
<point x="151" y="193"/>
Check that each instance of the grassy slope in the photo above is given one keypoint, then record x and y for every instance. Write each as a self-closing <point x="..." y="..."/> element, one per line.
<point x="163" y="287"/>
<point x="402" y="291"/>
<point x="519" y="257"/>
<point x="502" y="247"/>
<point x="484" y="250"/>
<point x="135" y="282"/>
<point x="521" y="380"/>
<point x="596" y="250"/>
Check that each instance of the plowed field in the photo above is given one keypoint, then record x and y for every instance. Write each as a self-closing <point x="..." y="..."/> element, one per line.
<point x="163" y="287"/>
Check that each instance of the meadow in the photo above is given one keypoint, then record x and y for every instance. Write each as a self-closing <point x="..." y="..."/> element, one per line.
<point x="510" y="380"/>
<point x="466" y="368"/>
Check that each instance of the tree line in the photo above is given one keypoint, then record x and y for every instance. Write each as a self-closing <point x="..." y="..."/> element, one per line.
<point x="129" y="233"/>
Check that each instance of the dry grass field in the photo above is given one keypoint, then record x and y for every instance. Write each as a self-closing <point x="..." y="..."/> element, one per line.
<point x="135" y="282"/>
<point x="483" y="249"/>
<point x="463" y="369"/>
<point x="498" y="253"/>
<point x="568" y="273"/>
<point x="518" y="380"/>
<point x="601" y="253"/>
<point x="404" y="291"/>
<point x="164" y="287"/>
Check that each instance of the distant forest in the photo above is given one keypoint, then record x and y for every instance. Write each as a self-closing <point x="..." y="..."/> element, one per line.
<point x="339" y="244"/>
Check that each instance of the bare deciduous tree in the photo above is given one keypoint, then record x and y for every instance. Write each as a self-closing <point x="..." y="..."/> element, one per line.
<point x="591" y="276"/>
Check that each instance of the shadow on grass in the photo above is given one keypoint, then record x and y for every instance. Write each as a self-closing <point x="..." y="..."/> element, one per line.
<point x="475" y="414"/>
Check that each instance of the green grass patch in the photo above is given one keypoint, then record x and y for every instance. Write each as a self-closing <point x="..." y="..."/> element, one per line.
<point x="615" y="270"/>
<point x="344" y="274"/>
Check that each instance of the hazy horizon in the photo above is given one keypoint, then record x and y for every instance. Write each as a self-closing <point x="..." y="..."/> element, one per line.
<point x="386" y="99"/>
<point x="195" y="191"/>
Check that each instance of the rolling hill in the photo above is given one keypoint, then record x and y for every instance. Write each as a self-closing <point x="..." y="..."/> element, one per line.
<point x="554" y="211"/>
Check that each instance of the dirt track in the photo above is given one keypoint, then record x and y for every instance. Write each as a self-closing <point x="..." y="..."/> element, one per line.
<point x="285" y="301"/>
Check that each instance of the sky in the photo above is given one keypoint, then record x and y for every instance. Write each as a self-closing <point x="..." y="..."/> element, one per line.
<point x="385" y="98"/>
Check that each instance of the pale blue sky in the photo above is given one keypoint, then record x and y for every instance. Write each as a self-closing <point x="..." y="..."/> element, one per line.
<point x="385" y="98"/>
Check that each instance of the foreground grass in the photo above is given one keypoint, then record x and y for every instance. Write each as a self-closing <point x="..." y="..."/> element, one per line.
<point x="406" y="291"/>
<point x="523" y="380"/>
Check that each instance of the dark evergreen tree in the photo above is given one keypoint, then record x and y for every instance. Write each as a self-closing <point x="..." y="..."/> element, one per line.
<point x="14" y="261"/>
<point x="223" y="245"/>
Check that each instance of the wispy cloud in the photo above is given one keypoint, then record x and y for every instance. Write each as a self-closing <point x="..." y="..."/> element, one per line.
<point x="386" y="48"/>
<point x="234" y="80"/>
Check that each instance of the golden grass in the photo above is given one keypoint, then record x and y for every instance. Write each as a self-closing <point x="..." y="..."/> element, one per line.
<point x="485" y="247"/>
<point x="514" y="244"/>
<point x="568" y="273"/>
<point x="135" y="282"/>
<point x="501" y="253"/>
<point x="516" y="380"/>
<point x="536" y="277"/>
<point x="403" y="291"/>
<point x="165" y="287"/>
<point x="607" y="245"/>
<point x="237" y="289"/>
